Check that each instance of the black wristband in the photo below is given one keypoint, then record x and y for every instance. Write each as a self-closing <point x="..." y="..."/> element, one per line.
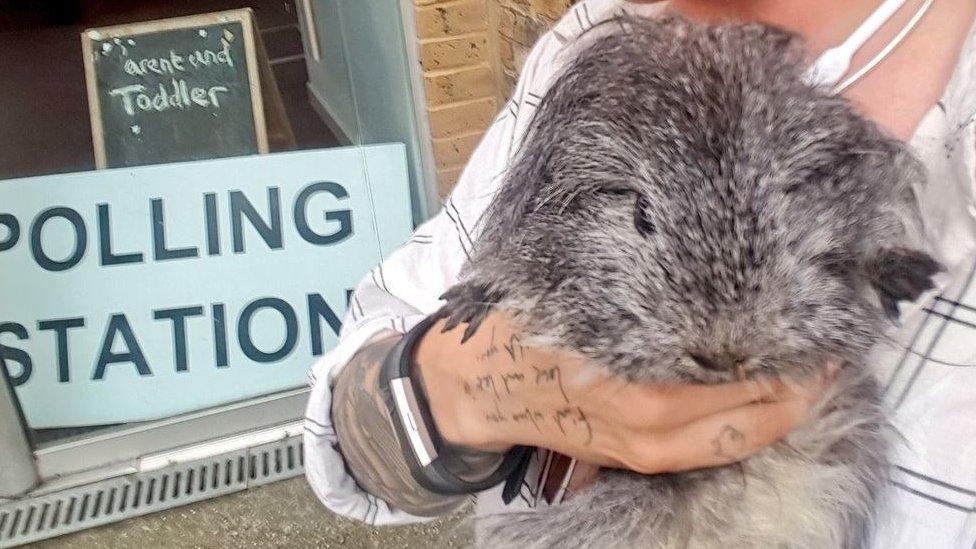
<point x="423" y="448"/>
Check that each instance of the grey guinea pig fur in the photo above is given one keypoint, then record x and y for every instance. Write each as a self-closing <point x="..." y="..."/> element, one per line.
<point x="684" y="208"/>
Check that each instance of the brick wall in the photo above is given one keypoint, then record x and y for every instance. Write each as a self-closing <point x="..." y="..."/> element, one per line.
<point x="470" y="54"/>
<point x="520" y="23"/>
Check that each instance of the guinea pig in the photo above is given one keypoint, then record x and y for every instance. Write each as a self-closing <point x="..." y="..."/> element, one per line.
<point x="686" y="208"/>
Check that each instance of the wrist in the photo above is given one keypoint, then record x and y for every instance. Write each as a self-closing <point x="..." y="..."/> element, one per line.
<point x="436" y="463"/>
<point x="438" y="360"/>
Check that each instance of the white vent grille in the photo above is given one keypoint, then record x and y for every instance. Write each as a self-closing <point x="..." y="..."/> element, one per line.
<point x="32" y="519"/>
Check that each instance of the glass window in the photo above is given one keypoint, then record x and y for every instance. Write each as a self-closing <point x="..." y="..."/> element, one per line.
<point x="186" y="204"/>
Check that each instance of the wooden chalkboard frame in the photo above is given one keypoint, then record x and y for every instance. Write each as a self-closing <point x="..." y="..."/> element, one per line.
<point x="252" y="54"/>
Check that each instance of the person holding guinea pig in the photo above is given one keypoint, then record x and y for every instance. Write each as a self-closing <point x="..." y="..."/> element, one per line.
<point x="405" y="420"/>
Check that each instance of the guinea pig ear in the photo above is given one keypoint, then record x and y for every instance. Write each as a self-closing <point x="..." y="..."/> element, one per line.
<point x="901" y="274"/>
<point x="470" y="303"/>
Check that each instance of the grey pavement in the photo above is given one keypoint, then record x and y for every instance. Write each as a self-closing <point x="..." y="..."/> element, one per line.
<point x="281" y="514"/>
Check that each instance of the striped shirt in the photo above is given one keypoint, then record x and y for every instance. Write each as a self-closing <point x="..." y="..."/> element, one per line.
<point x="927" y="366"/>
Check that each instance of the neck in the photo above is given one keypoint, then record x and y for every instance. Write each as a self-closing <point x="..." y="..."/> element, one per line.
<point x="823" y="23"/>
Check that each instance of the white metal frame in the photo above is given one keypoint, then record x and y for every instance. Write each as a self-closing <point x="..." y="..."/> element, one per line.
<point x="17" y="472"/>
<point x="118" y="451"/>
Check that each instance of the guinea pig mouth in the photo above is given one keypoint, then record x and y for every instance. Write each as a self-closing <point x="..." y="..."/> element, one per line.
<point x="740" y="372"/>
<point x="734" y="368"/>
<point x="724" y="364"/>
<point x="707" y="363"/>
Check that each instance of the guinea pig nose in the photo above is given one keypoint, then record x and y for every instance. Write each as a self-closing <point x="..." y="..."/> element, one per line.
<point x="705" y="362"/>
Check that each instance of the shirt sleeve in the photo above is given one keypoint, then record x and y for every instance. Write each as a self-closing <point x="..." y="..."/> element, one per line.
<point x="407" y="287"/>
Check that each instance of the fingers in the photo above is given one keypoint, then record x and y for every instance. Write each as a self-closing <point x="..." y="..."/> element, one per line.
<point x="681" y="404"/>
<point x="687" y="403"/>
<point x="729" y="436"/>
<point x="671" y="428"/>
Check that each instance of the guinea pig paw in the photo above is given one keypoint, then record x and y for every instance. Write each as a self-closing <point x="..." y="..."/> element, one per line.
<point x="466" y="304"/>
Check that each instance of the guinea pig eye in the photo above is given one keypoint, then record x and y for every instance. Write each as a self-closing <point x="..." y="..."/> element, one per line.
<point x="642" y="222"/>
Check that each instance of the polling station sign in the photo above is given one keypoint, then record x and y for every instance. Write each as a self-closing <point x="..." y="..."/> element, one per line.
<point x="138" y="293"/>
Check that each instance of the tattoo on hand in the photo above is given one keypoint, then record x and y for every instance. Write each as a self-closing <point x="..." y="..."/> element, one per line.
<point x="495" y="417"/>
<point x="534" y="416"/>
<point x="486" y="382"/>
<point x="576" y="418"/>
<point x="491" y="350"/>
<point x="512" y="377"/>
<point x="570" y="421"/>
<point x="729" y="444"/>
<point x="514" y="348"/>
<point x="497" y="390"/>
<point x="553" y="373"/>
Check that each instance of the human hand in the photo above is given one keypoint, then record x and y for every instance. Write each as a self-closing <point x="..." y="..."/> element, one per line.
<point x="493" y="392"/>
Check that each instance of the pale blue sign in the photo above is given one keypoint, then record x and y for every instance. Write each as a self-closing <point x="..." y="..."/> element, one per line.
<point x="138" y="293"/>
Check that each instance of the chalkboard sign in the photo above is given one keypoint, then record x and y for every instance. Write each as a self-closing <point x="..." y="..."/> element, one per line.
<point x="179" y="89"/>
